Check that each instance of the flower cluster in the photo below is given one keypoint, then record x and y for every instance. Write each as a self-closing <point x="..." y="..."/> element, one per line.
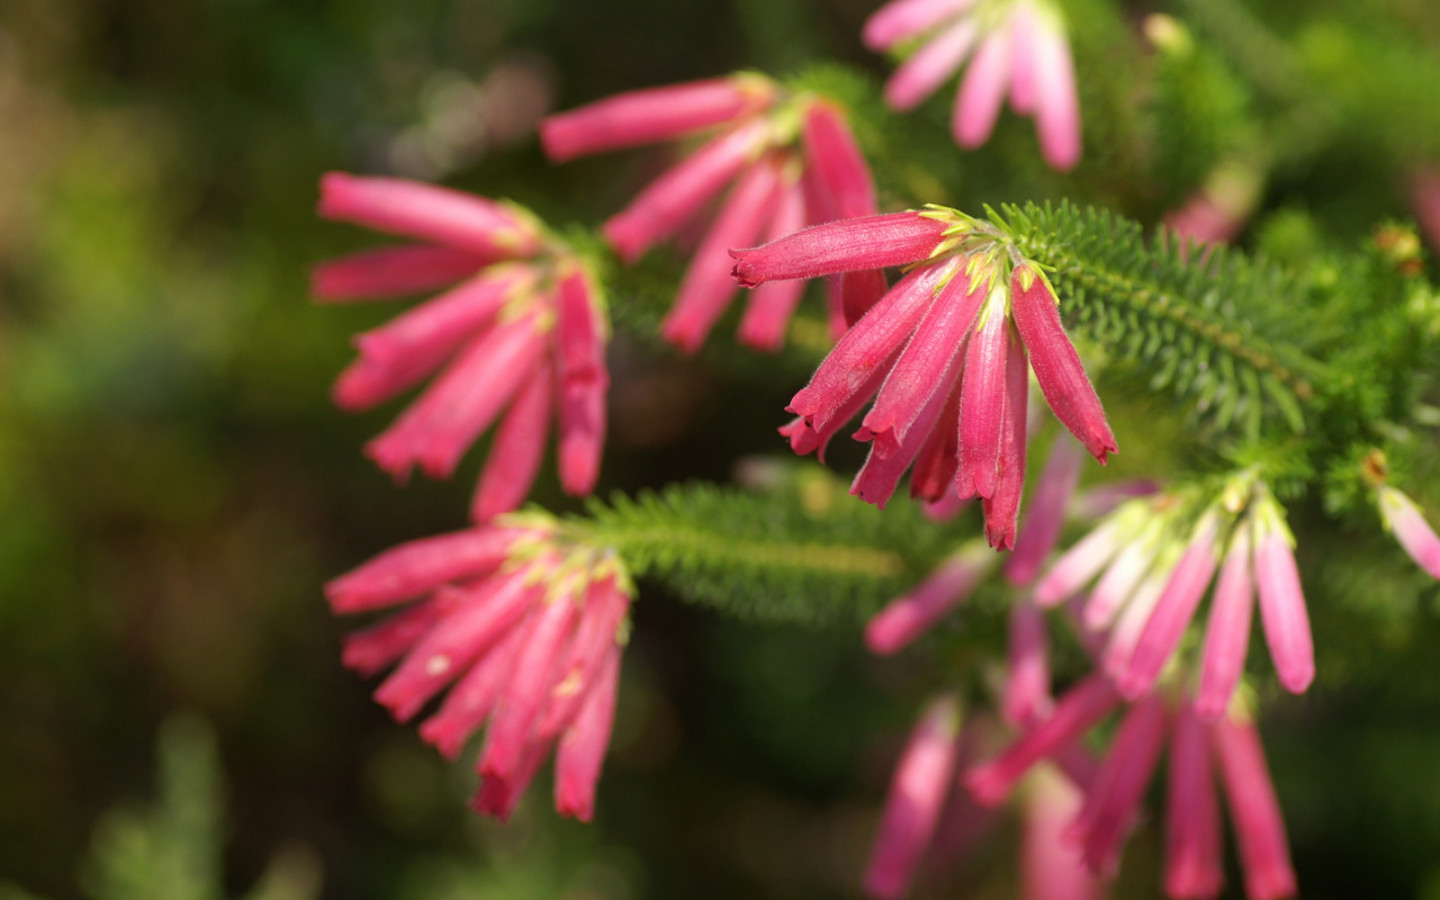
<point x="1158" y="557"/>
<point x="524" y="326"/>
<point x="1013" y="46"/>
<point x="946" y="354"/>
<point x="928" y="809"/>
<point x="793" y="162"/>
<point x="1194" y="867"/>
<point x="524" y="628"/>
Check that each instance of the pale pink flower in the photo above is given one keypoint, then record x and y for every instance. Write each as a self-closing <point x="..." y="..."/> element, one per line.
<point x="917" y="794"/>
<point x="1018" y="47"/>
<point x="1156" y="559"/>
<point x="1282" y="605"/>
<point x="784" y="178"/>
<point x="520" y="629"/>
<point x="1404" y="519"/>
<point x="519" y="341"/>
<point x="1227" y="634"/>
<point x="944" y="354"/>
<point x="1174" y="608"/>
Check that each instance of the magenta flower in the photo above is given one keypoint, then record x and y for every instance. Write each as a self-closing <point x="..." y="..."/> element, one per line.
<point x="944" y="354"/>
<point x="917" y="796"/>
<point x="1404" y="519"/>
<point x="524" y="630"/>
<point x="792" y="161"/>
<point x="520" y="339"/>
<point x="1015" y="46"/>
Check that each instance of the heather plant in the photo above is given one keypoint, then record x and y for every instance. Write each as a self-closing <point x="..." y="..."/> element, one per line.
<point x="1140" y="397"/>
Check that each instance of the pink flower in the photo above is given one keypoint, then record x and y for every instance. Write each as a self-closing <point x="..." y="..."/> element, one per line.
<point x="519" y="340"/>
<point x="917" y="795"/>
<point x="944" y="354"/>
<point x="1112" y="802"/>
<point x="1408" y="524"/>
<point x="1085" y="704"/>
<point x="1425" y="195"/>
<point x="1025" y="698"/>
<point x="792" y="161"/>
<point x="1218" y="211"/>
<point x="1282" y="605"/>
<point x="1041" y="529"/>
<point x="1254" y="809"/>
<point x="1017" y="47"/>
<point x="907" y="617"/>
<point x="523" y="629"/>
<point x="1227" y="634"/>
<point x="1194" y="867"/>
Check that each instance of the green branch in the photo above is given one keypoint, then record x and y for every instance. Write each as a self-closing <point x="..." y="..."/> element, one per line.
<point x="805" y="552"/>
<point x="1200" y="327"/>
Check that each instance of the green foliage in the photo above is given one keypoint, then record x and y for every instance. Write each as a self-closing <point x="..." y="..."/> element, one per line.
<point x="804" y="552"/>
<point x="1199" y="109"/>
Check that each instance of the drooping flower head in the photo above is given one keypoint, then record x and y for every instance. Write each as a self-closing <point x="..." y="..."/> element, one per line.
<point x="1152" y="562"/>
<point x="1111" y="808"/>
<point x="792" y="161"/>
<point x="522" y="626"/>
<point x="520" y="331"/>
<point x="1017" y="47"/>
<point x="946" y="354"/>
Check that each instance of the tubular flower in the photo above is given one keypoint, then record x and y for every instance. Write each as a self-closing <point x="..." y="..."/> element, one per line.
<point x="906" y="618"/>
<point x="793" y="162"/>
<point x="931" y="821"/>
<point x="524" y="629"/>
<point x="1111" y="807"/>
<point x="1404" y="519"/>
<point x="946" y="355"/>
<point x="522" y="332"/>
<point x="1014" y="46"/>
<point x="917" y="796"/>
<point x="1158" y="558"/>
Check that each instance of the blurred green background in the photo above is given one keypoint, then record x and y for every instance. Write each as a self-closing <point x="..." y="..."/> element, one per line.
<point x="175" y="488"/>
